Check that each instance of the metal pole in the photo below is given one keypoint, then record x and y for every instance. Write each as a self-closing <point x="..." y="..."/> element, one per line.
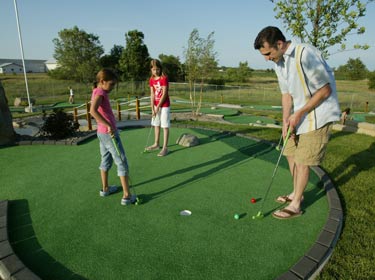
<point x="23" y="59"/>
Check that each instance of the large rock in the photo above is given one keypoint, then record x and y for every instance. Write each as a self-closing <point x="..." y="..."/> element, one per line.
<point x="7" y="134"/>
<point x="23" y="101"/>
<point x="187" y="140"/>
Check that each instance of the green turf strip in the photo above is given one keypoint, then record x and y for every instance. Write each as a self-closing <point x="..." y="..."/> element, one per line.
<point x="247" y="119"/>
<point x="62" y="229"/>
<point x="219" y="111"/>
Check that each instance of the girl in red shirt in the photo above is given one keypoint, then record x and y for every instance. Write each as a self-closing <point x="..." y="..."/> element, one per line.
<point x="160" y="105"/>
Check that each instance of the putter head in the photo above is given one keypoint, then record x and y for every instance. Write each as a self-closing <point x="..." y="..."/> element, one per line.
<point x="138" y="201"/>
<point x="259" y="215"/>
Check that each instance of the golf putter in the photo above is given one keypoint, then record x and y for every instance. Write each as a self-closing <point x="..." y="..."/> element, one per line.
<point x="138" y="200"/>
<point x="148" y="138"/>
<point x="260" y="214"/>
<point x="279" y="145"/>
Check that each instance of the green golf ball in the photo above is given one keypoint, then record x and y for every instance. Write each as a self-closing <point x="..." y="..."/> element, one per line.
<point x="236" y="216"/>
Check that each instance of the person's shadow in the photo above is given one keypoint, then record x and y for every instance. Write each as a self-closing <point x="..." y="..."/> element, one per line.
<point x="242" y="154"/>
<point x="354" y="165"/>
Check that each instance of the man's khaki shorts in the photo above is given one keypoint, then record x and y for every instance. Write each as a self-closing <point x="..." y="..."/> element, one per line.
<point x="309" y="148"/>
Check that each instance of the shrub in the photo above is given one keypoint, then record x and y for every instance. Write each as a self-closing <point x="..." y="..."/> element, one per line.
<point x="371" y="80"/>
<point x="59" y="125"/>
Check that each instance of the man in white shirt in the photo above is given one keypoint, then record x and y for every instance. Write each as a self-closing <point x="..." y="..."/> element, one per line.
<point x="310" y="105"/>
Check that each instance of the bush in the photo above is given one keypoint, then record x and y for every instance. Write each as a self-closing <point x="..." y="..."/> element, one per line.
<point x="59" y="125"/>
<point x="371" y="80"/>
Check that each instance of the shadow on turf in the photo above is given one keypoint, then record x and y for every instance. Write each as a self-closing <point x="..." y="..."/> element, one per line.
<point x="242" y="154"/>
<point x="231" y="160"/>
<point x="26" y="246"/>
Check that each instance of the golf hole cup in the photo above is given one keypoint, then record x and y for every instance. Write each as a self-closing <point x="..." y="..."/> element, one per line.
<point x="185" y="213"/>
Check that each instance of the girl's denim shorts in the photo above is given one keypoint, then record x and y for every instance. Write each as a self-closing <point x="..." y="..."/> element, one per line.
<point x="110" y="154"/>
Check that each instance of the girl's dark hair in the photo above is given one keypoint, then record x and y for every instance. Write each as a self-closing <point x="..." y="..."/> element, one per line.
<point x="157" y="63"/>
<point x="269" y="34"/>
<point x="106" y="74"/>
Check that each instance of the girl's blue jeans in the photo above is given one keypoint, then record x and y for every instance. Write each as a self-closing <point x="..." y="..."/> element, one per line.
<point x="109" y="154"/>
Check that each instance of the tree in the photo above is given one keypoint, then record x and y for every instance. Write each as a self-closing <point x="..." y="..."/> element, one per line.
<point x="134" y="61"/>
<point x="240" y="74"/>
<point x="172" y="67"/>
<point x="77" y="54"/>
<point x="322" y="23"/>
<point x="112" y="59"/>
<point x="371" y="80"/>
<point x="354" y="69"/>
<point x="200" y="63"/>
<point x="207" y="63"/>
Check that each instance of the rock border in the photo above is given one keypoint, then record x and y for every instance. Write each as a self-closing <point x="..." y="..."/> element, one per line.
<point x="11" y="267"/>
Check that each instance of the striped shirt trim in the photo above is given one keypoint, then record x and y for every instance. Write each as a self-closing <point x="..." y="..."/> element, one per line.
<point x="311" y="116"/>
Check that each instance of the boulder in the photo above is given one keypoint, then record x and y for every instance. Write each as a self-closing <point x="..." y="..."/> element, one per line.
<point x="23" y="101"/>
<point x="187" y="140"/>
<point x="7" y="133"/>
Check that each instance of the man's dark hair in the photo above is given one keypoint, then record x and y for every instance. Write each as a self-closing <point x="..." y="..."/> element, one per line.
<point x="269" y="34"/>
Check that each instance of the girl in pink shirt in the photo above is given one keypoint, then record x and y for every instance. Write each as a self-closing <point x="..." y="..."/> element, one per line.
<point x="101" y="110"/>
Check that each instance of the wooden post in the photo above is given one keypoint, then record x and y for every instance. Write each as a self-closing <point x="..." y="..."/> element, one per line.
<point x="222" y="99"/>
<point x="138" y="113"/>
<point x="75" y="114"/>
<point x="118" y="111"/>
<point x="366" y="107"/>
<point x="88" y="116"/>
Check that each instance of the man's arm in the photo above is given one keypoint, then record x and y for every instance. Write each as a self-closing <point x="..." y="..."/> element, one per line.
<point x="319" y="96"/>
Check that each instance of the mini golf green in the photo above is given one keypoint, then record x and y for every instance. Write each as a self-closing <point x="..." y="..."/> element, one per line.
<point x="250" y="119"/>
<point x="61" y="229"/>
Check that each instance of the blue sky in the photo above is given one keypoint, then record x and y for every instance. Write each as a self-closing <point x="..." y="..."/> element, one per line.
<point x="166" y="25"/>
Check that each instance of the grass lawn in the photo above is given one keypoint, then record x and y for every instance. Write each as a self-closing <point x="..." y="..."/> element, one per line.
<point x="62" y="229"/>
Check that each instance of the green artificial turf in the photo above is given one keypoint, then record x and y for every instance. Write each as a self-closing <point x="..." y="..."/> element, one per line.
<point x="250" y="119"/>
<point x="62" y="229"/>
<point x="219" y="111"/>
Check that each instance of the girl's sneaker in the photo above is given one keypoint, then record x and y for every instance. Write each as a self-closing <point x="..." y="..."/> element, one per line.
<point x="111" y="190"/>
<point x="129" y="200"/>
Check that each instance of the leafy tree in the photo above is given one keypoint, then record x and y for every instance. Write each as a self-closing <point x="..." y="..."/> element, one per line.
<point x="240" y="74"/>
<point x="192" y="59"/>
<point x="322" y="23"/>
<point x="77" y="54"/>
<point x="207" y="62"/>
<point x="134" y="61"/>
<point x="112" y="59"/>
<point x="354" y="69"/>
<point x="371" y="80"/>
<point x="172" y="67"/>
<point x="200" y="63"/>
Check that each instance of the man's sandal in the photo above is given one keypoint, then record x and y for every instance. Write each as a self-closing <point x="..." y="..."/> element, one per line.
<point x="289" y="214"/>
<point x="284" y="199"/>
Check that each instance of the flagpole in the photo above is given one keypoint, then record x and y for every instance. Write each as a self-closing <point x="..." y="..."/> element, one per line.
<point x="23" y="59"/>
